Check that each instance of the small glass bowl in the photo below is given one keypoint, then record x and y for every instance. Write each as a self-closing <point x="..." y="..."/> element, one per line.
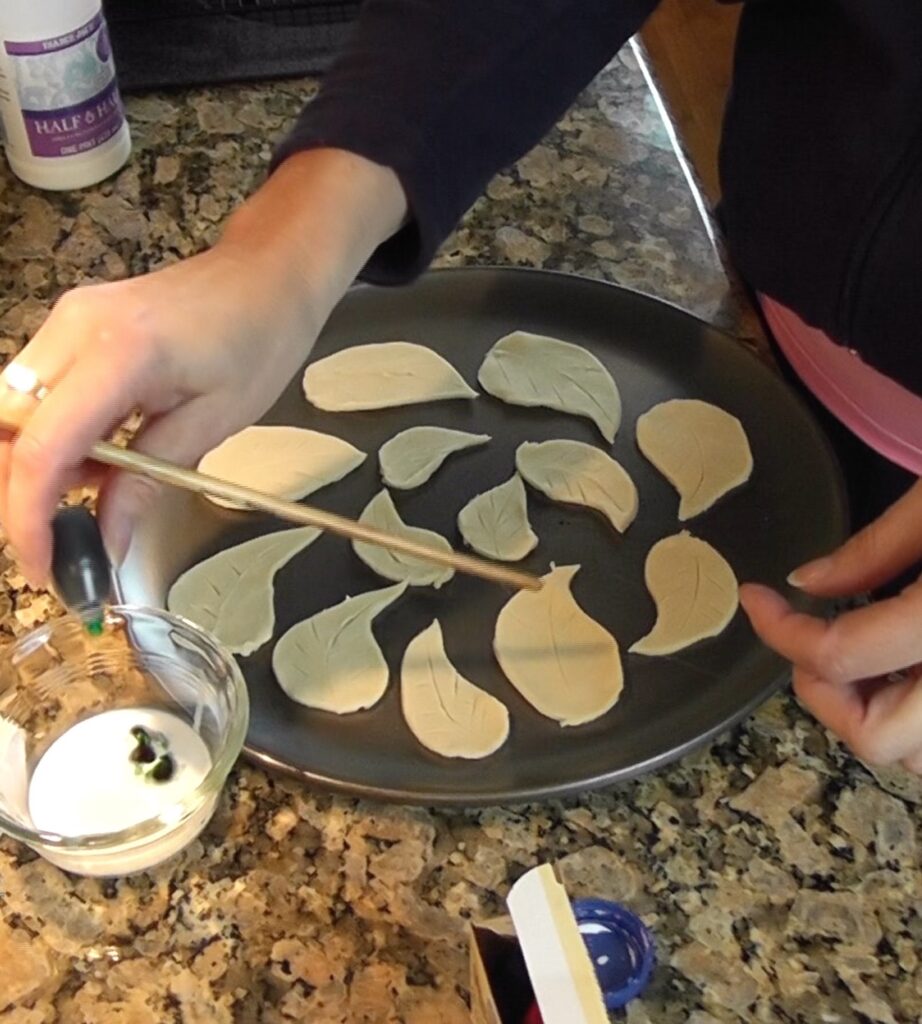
<point x="58" y="676"/>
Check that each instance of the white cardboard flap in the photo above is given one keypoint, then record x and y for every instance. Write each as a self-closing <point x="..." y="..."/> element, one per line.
<point x="558" y="962"/>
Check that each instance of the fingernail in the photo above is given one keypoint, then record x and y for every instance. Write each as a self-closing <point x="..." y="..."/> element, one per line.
<point x="810" y="573"/>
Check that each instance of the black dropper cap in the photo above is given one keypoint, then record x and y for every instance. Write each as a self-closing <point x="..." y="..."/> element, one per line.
<point x="80" y="566"/>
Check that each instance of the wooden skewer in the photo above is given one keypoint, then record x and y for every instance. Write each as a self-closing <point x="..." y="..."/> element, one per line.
<point x="306" y="515"/>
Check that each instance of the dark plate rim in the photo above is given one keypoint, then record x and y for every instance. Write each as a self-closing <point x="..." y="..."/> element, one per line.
<point x="426" y="798"/>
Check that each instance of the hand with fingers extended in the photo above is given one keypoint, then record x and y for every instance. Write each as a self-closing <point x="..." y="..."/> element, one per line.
<point x="201" y="348"/>
<point x="860" y="673"/>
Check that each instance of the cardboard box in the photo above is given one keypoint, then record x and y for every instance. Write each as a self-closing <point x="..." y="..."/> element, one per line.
<point x="537" y="953"/>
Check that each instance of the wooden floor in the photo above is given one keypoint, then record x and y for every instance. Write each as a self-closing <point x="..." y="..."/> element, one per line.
<point x="689" y="44"/>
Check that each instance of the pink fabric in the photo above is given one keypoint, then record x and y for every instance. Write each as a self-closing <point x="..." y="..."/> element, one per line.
<point x="882" y="413"/>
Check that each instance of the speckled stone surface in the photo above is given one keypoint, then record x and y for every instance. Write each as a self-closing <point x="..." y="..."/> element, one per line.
<point x="780" y="877"/>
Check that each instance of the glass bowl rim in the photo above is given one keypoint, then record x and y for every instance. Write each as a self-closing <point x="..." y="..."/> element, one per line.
<point x="192" y="802"/>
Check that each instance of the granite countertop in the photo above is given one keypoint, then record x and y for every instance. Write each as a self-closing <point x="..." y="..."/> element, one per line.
<point x="781" y="878"/>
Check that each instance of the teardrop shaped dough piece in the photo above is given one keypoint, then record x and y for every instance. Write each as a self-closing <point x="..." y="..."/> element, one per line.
<point x="381" y="375"/>
<point x="531" y="369"/>
<point x="695" y="592"/>
<point x="495" y="523"/>
<point x="700" y="449"/>
<point x="230" y="594"/>
<point x="287" y="462"/>
<point x="562" y="662"/>
<point x="448" y="714"/>
<point x="393" y="565"/>
<point x="579" y="474"/>
<point x="413" y="455"/>
<point x="332" y="661"/>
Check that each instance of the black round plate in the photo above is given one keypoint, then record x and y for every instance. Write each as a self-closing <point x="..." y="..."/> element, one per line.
<point x="791" y="509"/>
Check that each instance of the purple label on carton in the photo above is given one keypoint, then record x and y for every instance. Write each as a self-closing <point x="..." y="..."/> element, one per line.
<point x="63" y="42"/>
<point x="77" y="129"/>
<point x="67" y="90"/>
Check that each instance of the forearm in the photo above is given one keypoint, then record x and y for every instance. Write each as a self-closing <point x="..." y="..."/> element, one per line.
<point x="315" y="222"/>
<point x="447" y="93"/>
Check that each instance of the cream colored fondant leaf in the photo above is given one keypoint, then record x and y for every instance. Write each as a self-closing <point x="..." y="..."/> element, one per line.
<point x="702" y="451"/>
<point x="562" y="661"/>
<point x="695" y="592"/>
<point x="287" y="462"/>
<point x="447" y="713"/>
<point x="381" y="375"/>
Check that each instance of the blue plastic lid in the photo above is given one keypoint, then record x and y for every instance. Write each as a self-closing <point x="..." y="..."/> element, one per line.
<point x="620" y="946"/>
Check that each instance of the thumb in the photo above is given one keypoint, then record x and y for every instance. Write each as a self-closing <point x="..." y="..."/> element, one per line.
<point x="182" y="436"/>
<point x="873" y="556"/>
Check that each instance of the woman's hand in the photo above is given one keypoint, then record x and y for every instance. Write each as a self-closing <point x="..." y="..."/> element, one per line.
<point x="861" y="673"/>
<point x="201" y="348"/>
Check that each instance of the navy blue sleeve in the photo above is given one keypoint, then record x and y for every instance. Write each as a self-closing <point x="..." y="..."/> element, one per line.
<point x="448" y="92"/>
